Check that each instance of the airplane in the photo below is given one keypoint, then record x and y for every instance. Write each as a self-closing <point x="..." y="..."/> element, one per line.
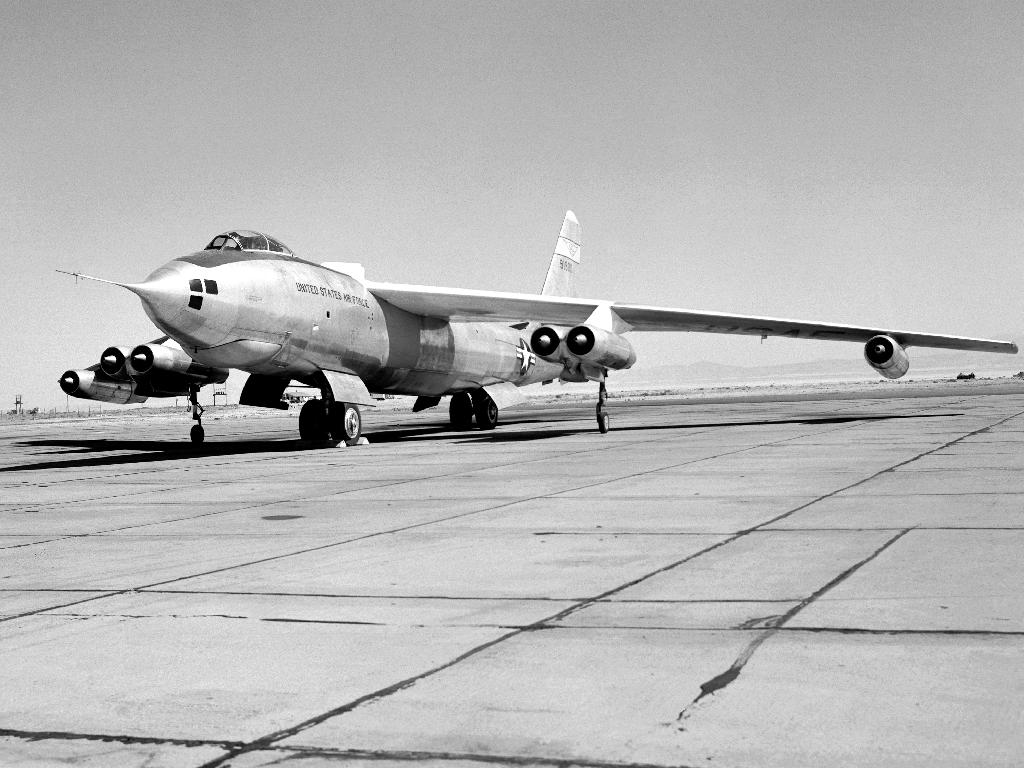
<point x="247" y="302"/>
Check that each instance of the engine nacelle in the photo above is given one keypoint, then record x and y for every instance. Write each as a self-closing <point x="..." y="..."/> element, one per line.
<point x="113" y="362"/>
<point x="92" y="385"/>
<point x="545" y="343"/>
<point x="598" y="347"/>
<point x="886" y="356"/>
<point x="157" y="362"/>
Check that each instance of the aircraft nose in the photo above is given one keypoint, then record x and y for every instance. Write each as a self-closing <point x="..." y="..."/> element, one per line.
<point x="164" y="293"/>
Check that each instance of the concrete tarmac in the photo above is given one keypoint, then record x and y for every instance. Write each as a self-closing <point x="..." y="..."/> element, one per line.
<point x="777" y="582"/>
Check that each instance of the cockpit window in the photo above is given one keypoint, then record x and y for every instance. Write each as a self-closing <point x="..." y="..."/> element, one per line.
<point x="252" y="241"/>
<point x="246" y="240"/>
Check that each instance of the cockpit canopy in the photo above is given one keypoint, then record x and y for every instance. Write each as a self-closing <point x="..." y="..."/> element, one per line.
<point x="244" y="240"/>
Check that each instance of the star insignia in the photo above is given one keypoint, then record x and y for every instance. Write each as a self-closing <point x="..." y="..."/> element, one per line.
<point x="525" y="357"/>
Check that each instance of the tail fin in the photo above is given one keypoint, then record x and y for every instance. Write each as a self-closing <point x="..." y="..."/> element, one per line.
<point x="565" y="261"/>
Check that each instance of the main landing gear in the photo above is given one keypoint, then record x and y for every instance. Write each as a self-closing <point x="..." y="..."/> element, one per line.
<point x="323" y="420"/>
<point x="467" y="406"/>
<point x="198" y="434"/>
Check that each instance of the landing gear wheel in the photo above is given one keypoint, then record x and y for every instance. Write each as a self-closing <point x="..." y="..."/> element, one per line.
<point x="197" y="434"/>
<point x="485" y="410"/>
<point x="460" y="411"/>
<point x="313" y="421"/>
<point x="346" y="423"/>
<point x="602" y="417"/>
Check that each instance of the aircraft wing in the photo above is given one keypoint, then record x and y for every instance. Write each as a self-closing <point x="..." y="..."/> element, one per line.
<point x="464" y="305"/>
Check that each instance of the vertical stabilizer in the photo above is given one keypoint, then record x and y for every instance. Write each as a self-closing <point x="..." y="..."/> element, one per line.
<point x="565" y="261"/>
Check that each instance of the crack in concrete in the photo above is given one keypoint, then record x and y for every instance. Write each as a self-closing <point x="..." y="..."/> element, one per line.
<point x="116" y="738"/>
<point x="896" y="632"/>
<point x="475" y="757"/>
<point x="723" y="679"/>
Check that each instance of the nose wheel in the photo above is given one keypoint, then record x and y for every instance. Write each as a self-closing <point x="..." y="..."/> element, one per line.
<point x="198" y="434"/>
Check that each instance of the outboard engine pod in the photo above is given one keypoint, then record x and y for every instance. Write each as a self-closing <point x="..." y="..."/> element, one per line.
<point x="886" y="356"/>
<point x="545" y="341"/>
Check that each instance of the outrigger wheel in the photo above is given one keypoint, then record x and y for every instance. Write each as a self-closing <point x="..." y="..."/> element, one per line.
<point x="197" y="434"/>
<point x="602" y="417"/>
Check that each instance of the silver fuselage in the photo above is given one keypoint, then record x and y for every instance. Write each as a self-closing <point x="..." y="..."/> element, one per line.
<point x="282" y="316"/>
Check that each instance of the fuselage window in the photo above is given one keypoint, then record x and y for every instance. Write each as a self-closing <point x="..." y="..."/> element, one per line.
<point x="195" y="302"/>
<point x="195" y="284"/>
<point x="211" y="286"/>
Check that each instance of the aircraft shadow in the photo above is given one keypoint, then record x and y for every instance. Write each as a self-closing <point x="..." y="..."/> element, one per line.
<point x="149" y="451"/>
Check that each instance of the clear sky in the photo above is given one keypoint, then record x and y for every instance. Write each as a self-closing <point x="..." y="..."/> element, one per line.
<point x="856" y="162"/>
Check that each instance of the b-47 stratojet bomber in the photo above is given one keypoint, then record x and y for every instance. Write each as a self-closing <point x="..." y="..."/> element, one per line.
<point x="247" y="302"/>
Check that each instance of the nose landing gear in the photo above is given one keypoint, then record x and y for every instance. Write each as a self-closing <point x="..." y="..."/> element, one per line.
<point x="198" y="434"/>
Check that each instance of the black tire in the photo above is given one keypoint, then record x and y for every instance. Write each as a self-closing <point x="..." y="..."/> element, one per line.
<point x="485" y="410"/>
<point x="313" y="421"/>
<point x="346" y="423"/>
<point x="602" y="423"/>
<point x="460" y="411"/>
<point x="198" y="434"/>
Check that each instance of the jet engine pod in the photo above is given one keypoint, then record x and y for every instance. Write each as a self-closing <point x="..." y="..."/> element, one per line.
<point x="90" y="385"/>
<point x="147" y="360"/>
<point x="886" y="356"/>
<point x="598" y="347"/>
<point x="112" y="362"/>
<point x="545" y="342"/>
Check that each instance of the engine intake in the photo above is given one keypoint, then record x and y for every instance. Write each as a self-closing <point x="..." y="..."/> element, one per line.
<point x="886" y="356"/>
<point x="598" y="347"/>
<point x="113" y="362"/>
<point x="545" y="342"/>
